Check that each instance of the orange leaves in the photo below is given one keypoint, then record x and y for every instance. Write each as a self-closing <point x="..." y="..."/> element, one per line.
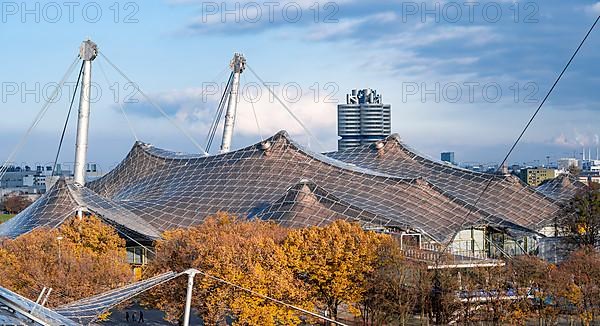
<point x="80" y="259"/>
<point x="334" y="262"/>
<point x="91" y="234"/>
<point x="321" y="267"/>
<point x="242" y="252"/>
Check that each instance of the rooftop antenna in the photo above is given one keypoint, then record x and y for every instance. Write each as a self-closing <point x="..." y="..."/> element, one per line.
<point x="87" y="52"/>
<point x="237" y="65"/>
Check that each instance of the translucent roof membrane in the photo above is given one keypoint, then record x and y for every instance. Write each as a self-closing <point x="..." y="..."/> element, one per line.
<point x="152" y="190"/>
<point x="507" y="197"/>
<point x="86" y="311"/>
<point x="18" y="310"/>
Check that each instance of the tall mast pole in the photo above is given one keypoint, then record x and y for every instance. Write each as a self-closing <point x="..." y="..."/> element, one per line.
<point x="87" y="52"/>
<point x="238" y="64"/>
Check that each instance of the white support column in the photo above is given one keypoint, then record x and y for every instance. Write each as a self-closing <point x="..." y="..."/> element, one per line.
<point x="188" y="298"/>
<point x="238" y="64"/>
<point x="87" y="52"/>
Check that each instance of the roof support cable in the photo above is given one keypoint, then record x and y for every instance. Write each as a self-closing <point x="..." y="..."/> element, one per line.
<point x="215" y="123"/>
<point x="251" y="100"/>
<point x="310" y="134"/>
<point x="529" y="122"/>
<point x="62" y="136"/>
<point x="37" y="119"/>
<point x="222" y="103"/>
<point x="155" y="105"/>
<point x="129" y="124"/>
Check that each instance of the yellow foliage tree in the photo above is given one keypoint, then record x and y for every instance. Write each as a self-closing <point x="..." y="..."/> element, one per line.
<point x="242" y="252"/>
<point x="581" y="275"/>
<point x="80" y="259"/>
<point x="334" y="261"/>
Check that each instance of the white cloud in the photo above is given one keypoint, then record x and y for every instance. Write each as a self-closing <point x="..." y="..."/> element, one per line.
<point x="348" y="26"/>
<point x="419" y="36"/>
<point x="195" y="113"/>
<point x="594" y="9"/>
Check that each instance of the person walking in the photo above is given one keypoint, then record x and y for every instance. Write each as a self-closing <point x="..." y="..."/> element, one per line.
<point x="141" y="319"/>
<point x="127" y="316"/>
<point x="133" y="317"/>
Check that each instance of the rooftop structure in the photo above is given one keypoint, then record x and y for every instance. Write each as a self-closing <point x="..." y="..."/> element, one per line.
<point x="562" y="188"/>
<point x="363" y="119"/>
<point x="384" y="184"/>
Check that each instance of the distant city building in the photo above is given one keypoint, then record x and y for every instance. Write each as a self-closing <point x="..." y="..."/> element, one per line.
<point x="589" y="165"/>
<point x="589" y="176"/>
<point x="515" y="169"/>
<point x="363" y="120"/>
<point x="447" y="157"/>
<point x="26" y="180"/>
<point x="535" y="176"/>
<point x="21" y="179"/>
<point x="565" y="163"/>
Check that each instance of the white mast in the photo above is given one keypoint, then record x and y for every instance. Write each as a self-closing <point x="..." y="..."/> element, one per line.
<point x="87" y="52"/>
<point x="238" y="64"/>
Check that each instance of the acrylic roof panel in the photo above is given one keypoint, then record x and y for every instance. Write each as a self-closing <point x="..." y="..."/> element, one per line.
<point x="63" y="201"/>
<point x="51" y="210"/>
<point x="506" y="198"/>
<point x="87" y="310"/>
<point x="175" y="190"/>
<point x="25" y="310"/>
<point x="562" y="188"/>
<point x="308" y="204"/>
<point x="152" y="190"/>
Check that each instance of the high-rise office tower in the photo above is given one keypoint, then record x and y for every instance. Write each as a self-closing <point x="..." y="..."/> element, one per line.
<point x="363" y="119"/>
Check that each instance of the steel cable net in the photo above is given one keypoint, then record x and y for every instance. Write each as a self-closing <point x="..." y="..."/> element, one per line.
<point x="385" y="184"/>
<point x="17" y="310"/>
<point x="87" y="310"/>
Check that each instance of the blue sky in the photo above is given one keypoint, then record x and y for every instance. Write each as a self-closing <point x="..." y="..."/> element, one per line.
<point x="410" y="51"/>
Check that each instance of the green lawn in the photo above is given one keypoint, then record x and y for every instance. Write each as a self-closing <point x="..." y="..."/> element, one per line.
<point x="5" y="217"/>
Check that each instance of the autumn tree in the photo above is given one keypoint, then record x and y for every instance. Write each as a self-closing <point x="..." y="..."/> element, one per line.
<point x="581" y="289"/>
<point x="484" y="295"/>
<point x="535" y="282"/>
<point x="79" y="259"/>
<point x="392" y="289"/>
<point x="15" y="204"/>
<point x="442" y="296"/>
<point x="246" y="253"/>
<point x="580" y="217"/>
<point x="334" y="261"/>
